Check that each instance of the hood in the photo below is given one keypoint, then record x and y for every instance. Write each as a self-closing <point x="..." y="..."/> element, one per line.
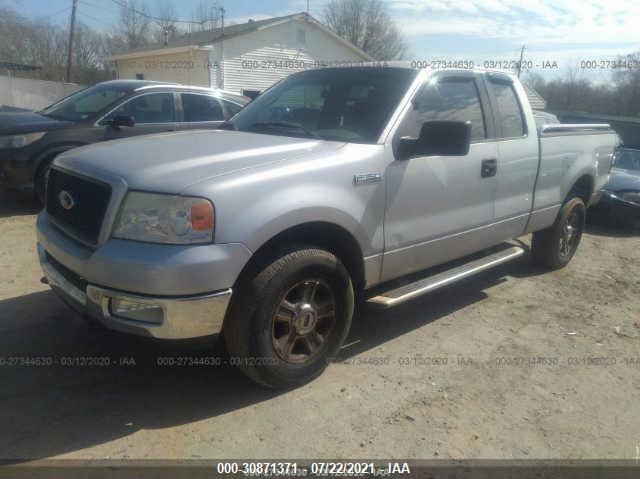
<point x="623" y="180"/>
<point x="170" y="162"/>
<point x="16" y="122"/>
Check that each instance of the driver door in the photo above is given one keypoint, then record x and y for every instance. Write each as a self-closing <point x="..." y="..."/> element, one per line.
<point x="152" y="112"/>
<point x="441" y="207"/>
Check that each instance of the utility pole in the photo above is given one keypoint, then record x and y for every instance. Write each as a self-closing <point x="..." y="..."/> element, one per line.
<point x="520" y="62"/>
<point x="221" y="79"/>
<point x="71" y="28"/>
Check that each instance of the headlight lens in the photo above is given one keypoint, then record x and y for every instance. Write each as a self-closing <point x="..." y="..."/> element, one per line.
<point x="18" y="141"/>
<point x="158" y="218"/>
<point x="632" y="196"/>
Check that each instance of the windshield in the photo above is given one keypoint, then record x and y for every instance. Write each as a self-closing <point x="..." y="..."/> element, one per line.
<point x="628" y="159"/>
<point x="351" y="105"/>
<point x="86" y="103"/>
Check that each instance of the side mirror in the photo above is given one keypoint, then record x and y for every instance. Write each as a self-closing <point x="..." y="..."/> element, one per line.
<point x="437" y="138"/>
<point x="121" y="120"/>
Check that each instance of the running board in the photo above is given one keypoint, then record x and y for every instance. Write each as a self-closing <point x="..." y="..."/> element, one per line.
<point x="422" y="286"/>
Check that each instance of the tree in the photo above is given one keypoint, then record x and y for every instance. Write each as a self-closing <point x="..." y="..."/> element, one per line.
<point x="134" y="23"/>
<point x="44" y="44"/>
<point x="627" y="81"/>
<point x="366" y="24"/>
<point x="206" y="15"/>
<point x="167" y="28"/>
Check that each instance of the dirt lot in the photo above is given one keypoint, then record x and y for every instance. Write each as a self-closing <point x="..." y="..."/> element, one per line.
<point x="515" y="363"/>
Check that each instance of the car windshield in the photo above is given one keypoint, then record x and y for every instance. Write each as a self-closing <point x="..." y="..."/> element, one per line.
<point x="345" y="104"/>
<point x="628" y="159"/>
<point x="87" y="103"/>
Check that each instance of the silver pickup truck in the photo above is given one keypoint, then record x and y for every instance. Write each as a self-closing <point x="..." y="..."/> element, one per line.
<point x="335" y="186"/>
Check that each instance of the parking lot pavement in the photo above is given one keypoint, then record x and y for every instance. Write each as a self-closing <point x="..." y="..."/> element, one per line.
<point x="514" y="363"/>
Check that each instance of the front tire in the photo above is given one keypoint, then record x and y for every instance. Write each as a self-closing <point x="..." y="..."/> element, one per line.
<point x="555" y="246"/>
<point x="289" y="318"/>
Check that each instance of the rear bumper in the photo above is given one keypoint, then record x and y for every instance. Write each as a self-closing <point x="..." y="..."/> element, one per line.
<point x="158" y="317"/>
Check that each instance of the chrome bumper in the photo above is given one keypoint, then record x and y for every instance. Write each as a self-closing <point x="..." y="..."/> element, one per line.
<point x="169" y="318"/>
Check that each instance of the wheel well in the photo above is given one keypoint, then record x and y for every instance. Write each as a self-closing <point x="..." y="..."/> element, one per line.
<point x="49" y="156"/>
<point x="583" y="188"/>
<point x="327" y="236"/>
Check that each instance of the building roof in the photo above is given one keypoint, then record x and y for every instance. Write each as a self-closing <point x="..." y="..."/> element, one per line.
<point x="201" y="39"/>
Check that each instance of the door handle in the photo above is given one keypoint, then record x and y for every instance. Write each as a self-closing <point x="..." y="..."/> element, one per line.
<point x="489" y="168"/>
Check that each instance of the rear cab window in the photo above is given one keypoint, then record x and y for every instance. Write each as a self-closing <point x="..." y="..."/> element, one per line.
<point x="508" y="111"/>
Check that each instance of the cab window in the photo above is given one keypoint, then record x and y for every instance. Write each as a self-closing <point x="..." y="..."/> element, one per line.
<point x="446" y="99"/>
<point x="148" y="108"/>
<point x="201" y="108"/>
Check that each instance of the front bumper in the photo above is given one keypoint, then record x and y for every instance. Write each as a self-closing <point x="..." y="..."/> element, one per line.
<point x="16" y="170"/>
<point x="158" y="317"/>
<point x="618" y="207"/>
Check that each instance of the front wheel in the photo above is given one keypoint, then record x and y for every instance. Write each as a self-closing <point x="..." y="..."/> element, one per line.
<point x="290" y="318"/>
<point x="555" y="246"/>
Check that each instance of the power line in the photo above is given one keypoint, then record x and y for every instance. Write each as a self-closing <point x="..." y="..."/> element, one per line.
<point x="93" y="5"/>
<point x="64" y="10"/>
<point x="123" y="4"/>
<point x="80" y="12"/>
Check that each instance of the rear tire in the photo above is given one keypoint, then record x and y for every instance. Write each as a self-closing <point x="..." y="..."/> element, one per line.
<point x="555" y="246"/>
<point x="289" y="318"/>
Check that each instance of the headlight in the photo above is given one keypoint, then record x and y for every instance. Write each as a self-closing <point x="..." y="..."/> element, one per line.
<point x="18" y="141"/>
<point x="169" y="219"/>
<point x="632" y="196"/>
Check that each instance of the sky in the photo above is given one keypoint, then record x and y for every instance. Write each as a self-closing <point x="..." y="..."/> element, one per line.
<point x="558" y="35"/>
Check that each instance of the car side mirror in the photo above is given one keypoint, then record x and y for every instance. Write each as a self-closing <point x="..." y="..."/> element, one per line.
<point x="121" y="120"/>
<point x="437" y="138"/>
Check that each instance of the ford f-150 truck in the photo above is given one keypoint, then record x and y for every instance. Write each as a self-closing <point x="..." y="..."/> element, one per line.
<point x="335" y="186"/>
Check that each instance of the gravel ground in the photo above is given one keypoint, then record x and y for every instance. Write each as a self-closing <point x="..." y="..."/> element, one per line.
<point x="514" y="363"/>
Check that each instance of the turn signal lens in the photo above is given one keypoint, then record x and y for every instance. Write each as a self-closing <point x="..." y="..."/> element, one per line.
<point x="202" y="217"/>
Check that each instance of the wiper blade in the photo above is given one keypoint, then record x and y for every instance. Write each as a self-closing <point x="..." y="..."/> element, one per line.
<point x="285" y="124"/>
<point x="227" y="125"/>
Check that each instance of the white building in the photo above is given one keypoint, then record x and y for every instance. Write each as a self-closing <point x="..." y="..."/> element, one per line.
<point x="241" y="58"/>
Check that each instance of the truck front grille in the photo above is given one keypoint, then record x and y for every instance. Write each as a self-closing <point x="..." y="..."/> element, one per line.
<point x="77" y="204"/>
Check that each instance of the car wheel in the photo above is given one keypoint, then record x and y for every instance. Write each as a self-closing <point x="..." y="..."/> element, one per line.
<point x="290" y="318"/>
<point x="555" y="246"/>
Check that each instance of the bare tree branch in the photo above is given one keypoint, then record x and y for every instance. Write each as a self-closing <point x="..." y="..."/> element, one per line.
<point x="366" y="24"/>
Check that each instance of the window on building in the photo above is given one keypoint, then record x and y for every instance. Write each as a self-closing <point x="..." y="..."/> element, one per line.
<point x="139" y="76"/>
<point x="201" y="108"/>
<point x="301" y="36"/>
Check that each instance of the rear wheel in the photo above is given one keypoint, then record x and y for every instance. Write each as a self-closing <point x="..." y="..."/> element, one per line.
<point x="288" y="320"/>
<point x="555" y="246"/>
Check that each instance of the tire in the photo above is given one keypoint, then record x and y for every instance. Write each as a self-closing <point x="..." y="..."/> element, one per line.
<point x="279" y="330"/>
<point x="40" y="180"/>
<point x="555" y="246"/>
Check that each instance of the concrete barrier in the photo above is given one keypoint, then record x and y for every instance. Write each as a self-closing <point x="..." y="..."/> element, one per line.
<point x="32" y="94"/>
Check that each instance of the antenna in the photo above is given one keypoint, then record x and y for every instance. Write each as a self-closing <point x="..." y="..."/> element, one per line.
<point x="521" y="60"/>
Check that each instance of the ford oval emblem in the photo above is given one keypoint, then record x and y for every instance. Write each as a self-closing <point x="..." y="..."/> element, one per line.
<point x="66" y="200"/>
